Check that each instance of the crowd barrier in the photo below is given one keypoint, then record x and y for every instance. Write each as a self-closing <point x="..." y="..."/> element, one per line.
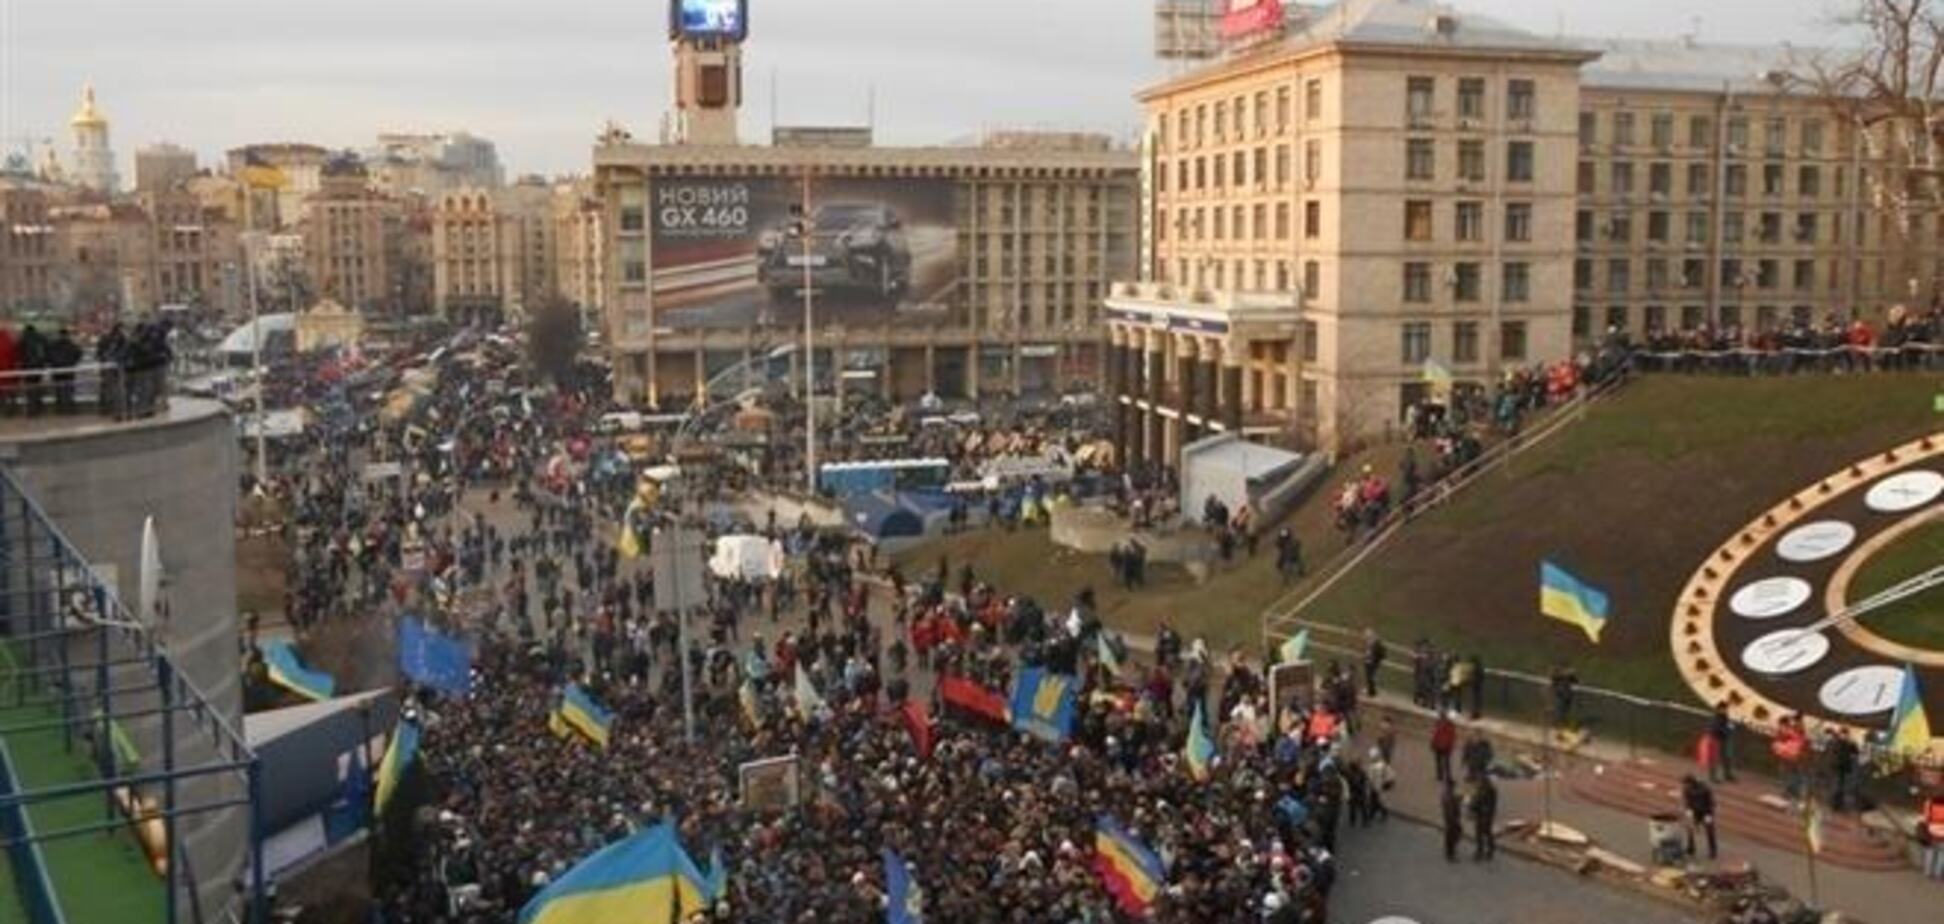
<point x="87" y="389"/>
<point x="1791" y="360"/>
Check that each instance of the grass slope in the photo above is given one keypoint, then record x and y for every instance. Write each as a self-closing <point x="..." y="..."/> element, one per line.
<point x="1917" y="621"/>
<point x="1631" y="499"/>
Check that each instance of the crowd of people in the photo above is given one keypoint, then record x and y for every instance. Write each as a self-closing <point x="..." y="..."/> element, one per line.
<point x="40" y="372"/>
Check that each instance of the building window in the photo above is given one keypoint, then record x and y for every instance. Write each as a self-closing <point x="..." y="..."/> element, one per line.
<point x="1693" y="273"/>
<point x="1701" y="133"/>
<point x="1471" y="161"/>
<point x="1471" y="221"/>
<point x="1282" y="108"/>
<point x="1518" y="282"/>
<point x="1312" y="219"/>
<point x="1582" y="321"/>
<point x="1697" y="227"/>
<point x="1622" y="176"/>
<point x="1616" y="317"/>
<point x="1464" y="342"/>
<point x="1659" y="225"/>
<point x="1471" y="98"/>
<point x="1698" y="183"/>
<point x="634" y="271"/>
<point x="1417" y="342"/>
<point x="1417" y="220"/>
<point x="1512" y="341"/>
<point x="1282" y="221"/>
<point x="1812" y="136"/>
<point x="1518" y="221"/>
<point x="1660" y="179"/>
<point x="1312" y="280"/>
<point x="1583" y="178"/>
<point x="1312" y="100"/>
<point x="1589" y="129"/>
<point x="1310" y="340"/>
<point x="1805" y="275"/>
<point x="1419" y="93"/>
<point x="1731" y="227"/>
<point x="1737" y="135"/>
<point x="1809" y="182"/>
<point x="1623" y="129"/>
<point x="1521" y="100"/>
<point x="1656" y="274"/>
<point x="1417" y="282"/>
<point x="1467" y="282"/>
<point x="1582" y="275"/>
<point x="1312" y="160"/>
<point x="1420" y="159"/>
<point x="1772" y="180"/>
<point x="1619" y="276"/>
<point x="1619" y="227"/>
<point x="1661" y="132"/>
<point x="1518" y="162"/>
<point x="631" y="218"/>
<point x="1775" y="137"/>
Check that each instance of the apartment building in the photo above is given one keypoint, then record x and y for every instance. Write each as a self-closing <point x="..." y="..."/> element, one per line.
<point x="351" y="239"/>
<point x="579" y="256"/>
<point x="194" y="252"/>
<point x="27" y="246"/>
<point x="1712" y="192"/>
<point x="955" y="271"/>
<point x="1385" y="188"/>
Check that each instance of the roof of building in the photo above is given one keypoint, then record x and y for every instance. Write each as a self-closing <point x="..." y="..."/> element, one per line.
<point x="1406" y="25"/>
<point x="1687" y="65"/>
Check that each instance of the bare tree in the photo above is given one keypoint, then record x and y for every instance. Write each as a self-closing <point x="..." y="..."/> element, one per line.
<point x="1887" y="90"/>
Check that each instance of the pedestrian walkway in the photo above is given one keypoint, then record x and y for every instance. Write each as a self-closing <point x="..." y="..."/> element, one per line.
<point x="1608" y="795"/>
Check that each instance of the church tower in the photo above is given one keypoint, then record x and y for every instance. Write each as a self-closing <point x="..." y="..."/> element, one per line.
<point x="94" y="160"/>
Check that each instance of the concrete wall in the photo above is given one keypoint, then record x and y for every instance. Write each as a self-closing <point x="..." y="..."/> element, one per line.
<point x="98" y="481"/>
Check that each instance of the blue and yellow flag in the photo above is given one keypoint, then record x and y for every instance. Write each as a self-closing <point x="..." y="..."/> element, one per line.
<point x="398" y="759"/>
<point x="1200" y="750"/>
<point x="644" y="879"/>
<point x="1042" y="704"/>
<point x="1910" y="730"/>
<point x="579" y="712"/>
<point x="1293" y="650"/>
<point x="287" y="671"/>
<point x="1570" y="600"/>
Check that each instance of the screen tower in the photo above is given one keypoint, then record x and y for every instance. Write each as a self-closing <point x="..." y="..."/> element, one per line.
<point x="708" y="37"/>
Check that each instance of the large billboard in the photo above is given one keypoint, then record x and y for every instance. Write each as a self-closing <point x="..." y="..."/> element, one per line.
<point x="719" y="19"/>
<point x="732" y="251"/>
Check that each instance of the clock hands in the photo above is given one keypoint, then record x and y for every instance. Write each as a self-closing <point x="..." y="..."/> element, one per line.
<point x="1900" y="591"/>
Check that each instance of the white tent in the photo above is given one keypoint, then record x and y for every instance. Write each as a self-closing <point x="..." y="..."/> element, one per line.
<point x="242" y="341"/>
<point x="747" y="557"/>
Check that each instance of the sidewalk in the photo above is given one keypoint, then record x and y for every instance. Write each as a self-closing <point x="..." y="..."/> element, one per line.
<point x="1604" y="794"/>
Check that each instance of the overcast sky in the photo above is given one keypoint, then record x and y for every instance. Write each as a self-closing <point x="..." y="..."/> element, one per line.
<point x="540" y="76"/>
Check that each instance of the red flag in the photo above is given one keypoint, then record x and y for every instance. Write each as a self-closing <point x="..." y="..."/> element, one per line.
<point x="912" y="713"/>
<point x="967" y="695"/>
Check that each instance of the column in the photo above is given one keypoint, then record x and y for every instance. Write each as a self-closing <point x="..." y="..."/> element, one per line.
<point x="972" y="362"/>
<point x="1157" y="358"/>
<point x="1187" y="390"/>
<point x="1230" y="403"/>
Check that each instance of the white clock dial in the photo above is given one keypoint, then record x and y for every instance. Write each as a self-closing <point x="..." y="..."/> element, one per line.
<point x="1905" y="491"/>
<point x="1862" y="690"/>
<point x="1770" y="597"/>
<point x="1816" y="541"/>
<point x="1789" y="651"/>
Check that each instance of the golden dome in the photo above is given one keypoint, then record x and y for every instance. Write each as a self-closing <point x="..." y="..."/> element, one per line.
<point x="87" y="114"/>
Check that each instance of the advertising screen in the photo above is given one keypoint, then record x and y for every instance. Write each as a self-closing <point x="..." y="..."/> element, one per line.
<point x="1244" y="18"/>
<point x="724" y="19"/>
<point x="732" y="251"/>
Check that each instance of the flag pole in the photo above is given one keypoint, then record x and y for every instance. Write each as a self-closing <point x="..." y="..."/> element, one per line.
<point x="1810" y="837"/>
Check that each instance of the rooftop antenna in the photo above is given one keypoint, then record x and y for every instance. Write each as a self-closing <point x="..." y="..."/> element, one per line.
<point x="870" y="107"/>
<point x="775" y="104"/>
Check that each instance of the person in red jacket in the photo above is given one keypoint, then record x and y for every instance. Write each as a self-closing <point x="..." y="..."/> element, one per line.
<point x="1444" y="737"/>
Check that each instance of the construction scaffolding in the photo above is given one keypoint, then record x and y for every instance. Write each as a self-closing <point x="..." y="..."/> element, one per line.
<point x="110" y="754"/>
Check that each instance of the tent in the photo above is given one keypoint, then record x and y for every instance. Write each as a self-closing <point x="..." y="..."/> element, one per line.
<point x="747" y="557"/>
<point x="882" y="515"/>
<point x="241" y="342"/>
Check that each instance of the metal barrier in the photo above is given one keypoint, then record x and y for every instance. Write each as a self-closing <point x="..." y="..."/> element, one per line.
<point x="1637" y="722"/>
<point x="89" y="389"/>
<point x="1284" y="612"/>
<point x="1750" y="361"/>
<point x="76" y="655"/>
<point x="24" y="853"/>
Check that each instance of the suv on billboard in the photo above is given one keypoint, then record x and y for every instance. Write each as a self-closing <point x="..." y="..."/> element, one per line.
<point x="854" y="246"/>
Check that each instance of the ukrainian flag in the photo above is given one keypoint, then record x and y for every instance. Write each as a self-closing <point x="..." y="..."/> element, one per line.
<point x="397" y="760"/>
<point x="1131" y="872"/>
<point x="644" y="879"/>
<point x="1200" y="750"/>
<point x="579" y="711"/>
<point x="1910" y="730"/>
<point x="1570" y="600"/>
<point x="287" y="671"/>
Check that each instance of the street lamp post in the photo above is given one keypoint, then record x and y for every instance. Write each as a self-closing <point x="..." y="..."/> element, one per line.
<point x="256" y="376"/>
<point x="804" y="228"/>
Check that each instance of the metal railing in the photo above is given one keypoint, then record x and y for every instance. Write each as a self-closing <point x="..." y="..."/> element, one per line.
<point x="1638" y="723"/>
<point x="88" y="389"/>
<point x="1750" y="361"/>
<point x="1284" y="611"/>
<point x="79" y="664"/>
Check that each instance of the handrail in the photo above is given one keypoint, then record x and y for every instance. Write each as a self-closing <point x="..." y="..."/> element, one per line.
<point x="1436" y="495"/>
<point x="103" y="388"/>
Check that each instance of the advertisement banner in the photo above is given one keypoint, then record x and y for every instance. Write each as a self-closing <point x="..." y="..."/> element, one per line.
<point x="718" y="19"/>
<point x="731" y="251"/>
<point x="1244" y="18"/>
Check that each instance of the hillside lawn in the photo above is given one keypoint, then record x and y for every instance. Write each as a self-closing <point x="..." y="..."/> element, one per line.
<point x="1630" y="499"/>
